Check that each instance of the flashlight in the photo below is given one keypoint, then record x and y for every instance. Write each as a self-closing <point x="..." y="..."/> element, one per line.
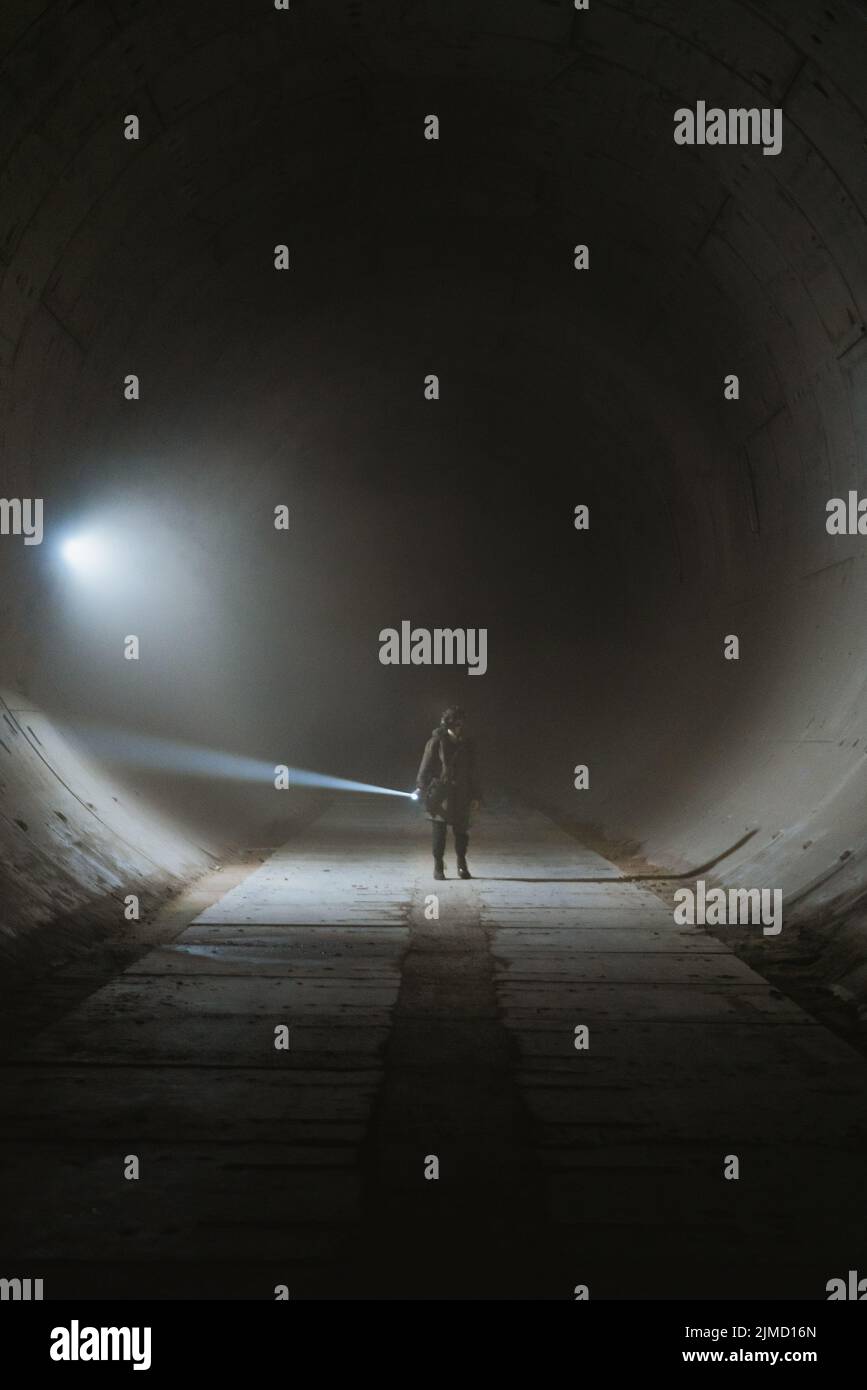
<point x="413" y="796"/>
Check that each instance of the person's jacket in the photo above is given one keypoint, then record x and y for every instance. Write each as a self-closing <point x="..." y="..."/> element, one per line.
<point x="452" y="760"/>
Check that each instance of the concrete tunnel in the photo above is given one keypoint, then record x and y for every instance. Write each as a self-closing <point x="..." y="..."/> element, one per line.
<point x="149" y="252"/>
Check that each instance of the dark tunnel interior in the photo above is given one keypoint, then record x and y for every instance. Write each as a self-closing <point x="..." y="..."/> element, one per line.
<point x="308" y="387"/>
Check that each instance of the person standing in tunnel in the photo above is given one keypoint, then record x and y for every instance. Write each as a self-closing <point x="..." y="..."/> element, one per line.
<point x="447" y="786"/>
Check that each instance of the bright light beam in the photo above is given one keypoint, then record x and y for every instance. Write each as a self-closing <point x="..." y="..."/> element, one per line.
<point x="165" y="755"/>
<point x="87" y="554"/>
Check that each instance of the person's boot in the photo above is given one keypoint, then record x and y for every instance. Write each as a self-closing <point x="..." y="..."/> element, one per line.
<point x="462" y="844"/>
<point x="439" y="848"/>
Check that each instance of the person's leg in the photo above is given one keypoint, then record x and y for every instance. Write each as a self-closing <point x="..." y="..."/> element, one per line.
<point x="438" y="838"/>
<point x="462" y="841"/>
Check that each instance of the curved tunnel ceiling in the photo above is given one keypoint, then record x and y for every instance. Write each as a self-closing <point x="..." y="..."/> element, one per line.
<point x="407" y="257"/>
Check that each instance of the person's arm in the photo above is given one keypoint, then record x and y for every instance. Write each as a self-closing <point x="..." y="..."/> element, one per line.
<point x="426" y="770"/>
<point x="475" y="782"/>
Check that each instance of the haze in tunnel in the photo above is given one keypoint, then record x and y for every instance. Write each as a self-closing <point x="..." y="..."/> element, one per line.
<point x="287" y="374"/>
<point x="305" y="388"/>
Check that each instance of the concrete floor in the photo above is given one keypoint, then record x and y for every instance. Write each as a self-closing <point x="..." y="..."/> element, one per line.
<point x="454" y="1037"/>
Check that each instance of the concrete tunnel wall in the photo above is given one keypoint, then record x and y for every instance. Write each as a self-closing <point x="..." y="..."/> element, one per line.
<point x="77" y="845"/>
<point x="119" y="257"/>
